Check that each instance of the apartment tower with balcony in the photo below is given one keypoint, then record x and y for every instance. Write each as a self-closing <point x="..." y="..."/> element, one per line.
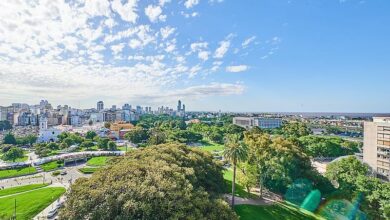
<point x="376" y="148"/>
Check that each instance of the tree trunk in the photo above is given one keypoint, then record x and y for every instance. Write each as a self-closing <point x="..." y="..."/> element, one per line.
<point x="261" y="187"/>
<point x="234" y="182"/>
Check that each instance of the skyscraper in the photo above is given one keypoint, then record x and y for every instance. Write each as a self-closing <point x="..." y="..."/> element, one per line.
<point x="179" y="106"/>
<point x="100" y="106"/>
<point x="126" y="107"/>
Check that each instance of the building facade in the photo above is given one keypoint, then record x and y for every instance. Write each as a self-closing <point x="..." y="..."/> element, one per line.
<point x="100" y="106"/>
<point x="262" y="122"/>
<point x="376" y="148"/>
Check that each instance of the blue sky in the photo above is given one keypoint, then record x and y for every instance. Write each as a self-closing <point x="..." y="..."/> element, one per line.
<point x="252" y="55"/>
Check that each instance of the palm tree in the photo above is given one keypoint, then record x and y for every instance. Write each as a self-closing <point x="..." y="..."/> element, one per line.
<point x="235" y="151"/>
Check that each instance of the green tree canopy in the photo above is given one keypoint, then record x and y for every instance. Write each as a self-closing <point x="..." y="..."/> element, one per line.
<point x="158" y="182"/>
<point x="327" y="146"/>
<point x="184" y="136"/>
<point x="111" y="145"/>
<point x="87" y="144"/>
<point x="102" y="143"/>
<point x="5" y="125"/>
<point x="13" y="153"/>
<point x="295" y="129"/>
<point x="345" y="172"/>
<point x="90" y="135"/>
<point x="9" y="138"/>
<point x="278" y="161"/>
<point x="136" y="135"/>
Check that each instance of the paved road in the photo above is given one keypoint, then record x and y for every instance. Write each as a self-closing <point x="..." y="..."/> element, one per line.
<point x="46" y="177"/>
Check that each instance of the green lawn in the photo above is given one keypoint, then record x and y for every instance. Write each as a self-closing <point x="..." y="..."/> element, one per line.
<point x="88" y="170"/>
<point x="17" y="172"/>
<point x="273" y="212"/>
<point x="210" y="146"/>
<point x="97" y="161"/>
<point x="240" y="190"/>
<point x="52" y="165"/>
<point x="19" y="189"/>
<point x="29" y="204"/>
<point x="123" y="148"/>
<point x="22" y="159"/>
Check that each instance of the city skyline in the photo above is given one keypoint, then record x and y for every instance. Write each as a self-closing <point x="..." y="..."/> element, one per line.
<point x="267" y="56"/>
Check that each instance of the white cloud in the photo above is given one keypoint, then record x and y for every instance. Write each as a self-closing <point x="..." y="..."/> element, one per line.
<point x="62" y="46"/>
<point x="126" y="11"/>
<point x="163" y="2"/>
<point x="222" y="49"/>
<point x="198" y="46"/>
<point x="189" y="15"/>
<point x="221" y="89"/>
<point x="203" y="55"/>
<point x="98" y="7"/>
<point x="116" y="49"/>
<point x="170" y="48"/>
<point x="166" y="32"/>
<point x="134" y="44"/>
<point x="246" y="42"/>
<point x="153" y="13"/>
<point x="191" y="3"/>
<point x="236" y="69"/>
<point x="110" y="22"/>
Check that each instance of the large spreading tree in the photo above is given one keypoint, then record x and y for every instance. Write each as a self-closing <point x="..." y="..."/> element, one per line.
<point x="168" y="181"/>
<point x="13" y="153"/>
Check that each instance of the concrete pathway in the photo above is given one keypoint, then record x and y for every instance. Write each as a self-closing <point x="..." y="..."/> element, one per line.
<point x="75" y="155"/>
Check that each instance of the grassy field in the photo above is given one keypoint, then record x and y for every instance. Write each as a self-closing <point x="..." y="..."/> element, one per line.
<point x="52" y="165"/>
<point x="17" y="172"/>
<point x="123" y="148"/>
<point x="22" y="159"/>
<point x="19" y="189"/>
<point x="29" y="204"/>
<point x="97" y="161"/>
<point x="240" y="190"/>
<point x="88" y="170"/>
<point x="210" y="146"/>
<point x="273" y="212"/>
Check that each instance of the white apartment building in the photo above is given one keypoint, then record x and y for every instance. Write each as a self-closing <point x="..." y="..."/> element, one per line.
<point x="376" y="148"/>
<point x="261" y="122"/>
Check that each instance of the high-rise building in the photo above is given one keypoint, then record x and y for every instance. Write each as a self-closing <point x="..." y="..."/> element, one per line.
<point x="179" y="106"/>
<point x="376" y="148"/>
<point x="126" y="107"/>
<point x="100" y="106"/>
<point x="139" y="109"/>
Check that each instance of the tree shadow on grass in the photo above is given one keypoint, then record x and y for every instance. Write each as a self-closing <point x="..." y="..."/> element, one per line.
<point x="276" y="211"/>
